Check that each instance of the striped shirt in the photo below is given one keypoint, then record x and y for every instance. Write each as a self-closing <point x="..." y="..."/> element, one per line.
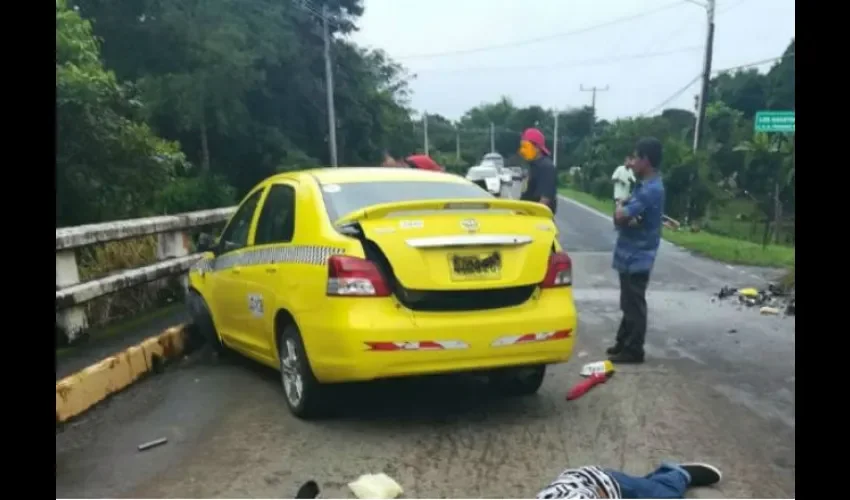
<point x="584" y="482"/>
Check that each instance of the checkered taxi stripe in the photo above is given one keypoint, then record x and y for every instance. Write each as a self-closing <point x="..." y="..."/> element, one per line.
<point x="292" y="254"/>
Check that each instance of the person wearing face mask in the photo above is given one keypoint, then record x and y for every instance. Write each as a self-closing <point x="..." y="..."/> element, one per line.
<point x="542" y="185"/>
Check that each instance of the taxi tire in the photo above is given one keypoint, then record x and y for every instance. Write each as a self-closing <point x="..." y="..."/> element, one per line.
<point x="203" y="322"/>
<point x="311" y="405"/>
<point x="512" y="382"/>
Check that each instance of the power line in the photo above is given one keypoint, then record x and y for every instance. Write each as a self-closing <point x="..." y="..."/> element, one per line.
<point x="716" y="72"/>
<point x="573" y="64"/>
<point x="675" y="95"/>
<point x="753" y="64"/>
<point x="529" y="41"/>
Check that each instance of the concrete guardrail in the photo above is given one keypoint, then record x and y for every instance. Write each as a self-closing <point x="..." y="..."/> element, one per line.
<point x="173" y="243"/>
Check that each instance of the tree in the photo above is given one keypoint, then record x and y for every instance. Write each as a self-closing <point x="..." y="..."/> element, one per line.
<point x="770" y="158"/>
<point x="109" y="163"/>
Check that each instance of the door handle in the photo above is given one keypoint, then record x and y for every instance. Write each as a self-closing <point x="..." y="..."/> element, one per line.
<point x="236" y="270"/>
<point x="271" y="270"/>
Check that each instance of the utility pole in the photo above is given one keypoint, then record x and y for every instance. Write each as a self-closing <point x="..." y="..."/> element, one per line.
<point x="492" y="138"/>
<point x="329" y="88"/>
<point x="703" y="94"/>
<point x="593" y="90"/>
<point x="457" y="143"/>
<point x="555" y="142"/>
<point x="706" y="73"/>
<point x="425" y="126"/>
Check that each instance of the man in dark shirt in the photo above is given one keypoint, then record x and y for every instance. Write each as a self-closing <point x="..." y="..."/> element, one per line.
<point x="638" y="220"/>
<point x="542" y="179"/>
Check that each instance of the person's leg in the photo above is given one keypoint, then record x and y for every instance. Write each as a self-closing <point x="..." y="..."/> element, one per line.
<point x="622" y="331"/>
<point x="668" y="481"/>
<point x="633" y="298"/>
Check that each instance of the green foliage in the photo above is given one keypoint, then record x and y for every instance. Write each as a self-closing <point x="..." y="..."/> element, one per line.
<point x="202" y="192"/>
<point x="204" y="98"/>
<point x="109" y="163"/>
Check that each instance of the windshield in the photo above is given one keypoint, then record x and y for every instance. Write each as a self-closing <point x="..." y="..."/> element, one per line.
<point x="483" y="171"/>
<point x="342" y="199"/>
<point x="495" y="160"/>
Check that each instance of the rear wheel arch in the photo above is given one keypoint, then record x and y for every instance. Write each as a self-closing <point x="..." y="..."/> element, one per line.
<point x="282" y="319"/>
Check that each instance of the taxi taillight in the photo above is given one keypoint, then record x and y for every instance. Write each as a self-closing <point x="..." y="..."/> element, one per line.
<point x="355" y="277"/>
<point x="559" y="271"/>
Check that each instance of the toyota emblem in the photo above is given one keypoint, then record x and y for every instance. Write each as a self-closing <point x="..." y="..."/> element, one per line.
<point x="470" y="225"/>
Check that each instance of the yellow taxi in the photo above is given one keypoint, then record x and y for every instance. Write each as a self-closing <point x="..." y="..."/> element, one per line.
<point x="354" y="274"/>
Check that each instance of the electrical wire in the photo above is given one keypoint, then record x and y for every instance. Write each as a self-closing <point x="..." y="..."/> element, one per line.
<point x="572" y="64"/>
<point x="753" y="64"/>
<point x="716" y="72"/>
<point x="553" y="36"/>
<point x="675" y="95"/>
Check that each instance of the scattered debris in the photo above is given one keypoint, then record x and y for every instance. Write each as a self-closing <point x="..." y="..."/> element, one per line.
<point x="587" y="384"/>
<point x="774" y="297"/>
<point x="732" y="330"/>
<point x="604" y="367"/>
<point x="582" y="354"/>
<point x="375" y="486"/>
<point x="152" y="444"/>
<point x="791" y="308"/>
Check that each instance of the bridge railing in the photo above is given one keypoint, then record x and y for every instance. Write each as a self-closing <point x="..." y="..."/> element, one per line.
<point x="173" y="258"/>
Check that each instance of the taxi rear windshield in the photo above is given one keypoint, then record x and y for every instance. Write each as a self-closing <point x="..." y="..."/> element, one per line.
<point x="342" y="199"/>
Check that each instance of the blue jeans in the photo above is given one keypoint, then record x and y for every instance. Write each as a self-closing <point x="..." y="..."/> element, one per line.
<point x="668" y="481"/>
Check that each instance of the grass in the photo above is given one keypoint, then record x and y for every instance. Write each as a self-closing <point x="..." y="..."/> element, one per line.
<point x="720" y="248"/>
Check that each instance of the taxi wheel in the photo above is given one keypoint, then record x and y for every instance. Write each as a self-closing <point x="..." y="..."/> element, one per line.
<point x="302" y="391"/>
<point x="521" y="381"/>
<point x="203" y="322"/>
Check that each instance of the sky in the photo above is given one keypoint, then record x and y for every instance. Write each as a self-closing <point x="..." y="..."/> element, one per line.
<point x="643" y="51"/>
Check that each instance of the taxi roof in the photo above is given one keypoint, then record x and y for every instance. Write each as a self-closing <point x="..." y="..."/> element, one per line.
<point x="344" y="175"/>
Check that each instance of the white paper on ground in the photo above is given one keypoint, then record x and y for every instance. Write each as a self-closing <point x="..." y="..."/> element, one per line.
<point x="375" y="486"/>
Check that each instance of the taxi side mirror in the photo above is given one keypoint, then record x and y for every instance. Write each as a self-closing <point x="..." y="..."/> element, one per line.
<point x="206" y="243"/>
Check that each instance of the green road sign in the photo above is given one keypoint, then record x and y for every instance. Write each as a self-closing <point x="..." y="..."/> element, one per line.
<point x="774" y="121"/>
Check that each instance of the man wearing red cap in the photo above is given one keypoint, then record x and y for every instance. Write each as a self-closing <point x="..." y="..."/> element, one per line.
<point x="542" y="178"/>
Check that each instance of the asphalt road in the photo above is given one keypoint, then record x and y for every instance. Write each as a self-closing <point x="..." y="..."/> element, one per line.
<point x="718" y="386"/>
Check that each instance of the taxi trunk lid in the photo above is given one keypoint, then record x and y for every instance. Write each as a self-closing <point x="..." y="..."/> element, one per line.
<point x="461" y="246"/>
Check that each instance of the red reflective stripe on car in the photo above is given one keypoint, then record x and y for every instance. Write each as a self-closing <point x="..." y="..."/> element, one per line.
<point x="531" y="337"/>
<point x="563" y="334"/>
<point x="422" y="345"/>
<point x="382" y="346"/>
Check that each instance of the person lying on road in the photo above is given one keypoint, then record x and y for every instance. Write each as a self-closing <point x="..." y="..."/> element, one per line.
<point x="667" y="481"/>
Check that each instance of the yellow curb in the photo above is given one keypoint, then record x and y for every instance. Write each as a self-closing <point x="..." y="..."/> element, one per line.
<point x="78" y="392"/>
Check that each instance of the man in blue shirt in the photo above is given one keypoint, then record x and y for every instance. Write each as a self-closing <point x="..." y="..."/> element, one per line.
<point x="639" y="225"/>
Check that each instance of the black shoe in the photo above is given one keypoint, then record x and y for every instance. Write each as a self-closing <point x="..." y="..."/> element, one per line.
<point x="626" y="357"/>
<point x="702" y="474"/>
<point x="614" y="349"/>
<point x="308" y="490"/>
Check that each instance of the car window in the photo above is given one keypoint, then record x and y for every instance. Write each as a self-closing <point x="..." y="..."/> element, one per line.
<point x="277" y="217"/>
<point x="342" y="199"/>
<point x="235" y="236"/>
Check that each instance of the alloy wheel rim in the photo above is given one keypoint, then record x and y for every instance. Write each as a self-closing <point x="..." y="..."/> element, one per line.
<point x="290" y="371"/>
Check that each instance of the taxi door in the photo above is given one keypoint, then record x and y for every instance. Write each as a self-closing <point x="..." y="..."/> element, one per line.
<point x="268" y="283"/>
<point x="230" y="301"/>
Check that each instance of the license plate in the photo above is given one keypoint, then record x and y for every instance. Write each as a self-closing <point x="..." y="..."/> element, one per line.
<point x="475" y="266"/>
